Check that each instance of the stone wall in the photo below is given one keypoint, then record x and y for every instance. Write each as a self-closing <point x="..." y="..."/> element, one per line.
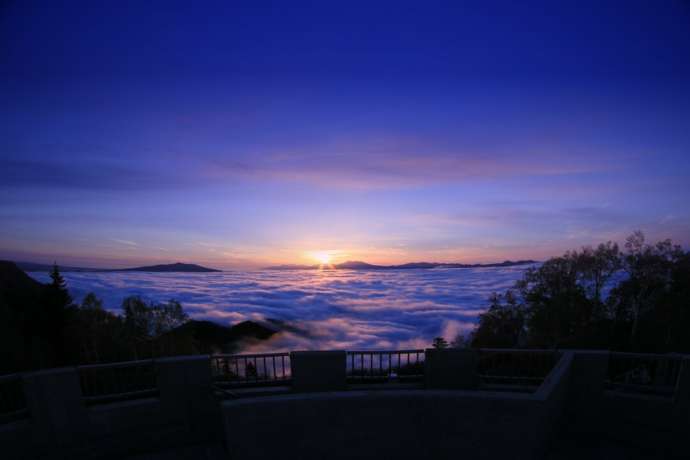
<point x="324" y="418"/>
<point x="61" y="426"/>
<point x="438" y="424"/>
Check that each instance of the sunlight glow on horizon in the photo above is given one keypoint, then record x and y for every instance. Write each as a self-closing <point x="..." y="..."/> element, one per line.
<point x="323" y="258"/>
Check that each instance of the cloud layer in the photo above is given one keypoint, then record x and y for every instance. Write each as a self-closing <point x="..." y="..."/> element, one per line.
<point x="326" y="309"/>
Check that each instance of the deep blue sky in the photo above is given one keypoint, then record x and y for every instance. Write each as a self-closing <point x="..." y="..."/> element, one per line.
<point x="242" y="134"/>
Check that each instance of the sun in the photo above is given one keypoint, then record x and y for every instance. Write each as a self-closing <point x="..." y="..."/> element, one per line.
<point x="323" y="257"/>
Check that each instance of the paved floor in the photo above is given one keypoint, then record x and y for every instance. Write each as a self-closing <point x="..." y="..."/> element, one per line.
<point x="199" y="452"/>
<point x="564" y="449"/>
<point x="595" y="449"/>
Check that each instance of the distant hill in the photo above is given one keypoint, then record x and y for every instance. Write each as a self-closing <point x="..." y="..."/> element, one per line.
<point x="176" y="267"/>
<point x="358" y="265"/>
<point x="210" y="337"/>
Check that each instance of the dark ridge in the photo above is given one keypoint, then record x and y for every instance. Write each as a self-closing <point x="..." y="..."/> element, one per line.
<point x="17" y="289"/>
<point x="358" y="265"/>
<point x="176" y="267"/>
<point x="163" y="268"/>
<point x="210" y="337"/>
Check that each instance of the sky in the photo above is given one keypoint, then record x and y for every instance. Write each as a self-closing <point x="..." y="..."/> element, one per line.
<point x="238" y="134"/>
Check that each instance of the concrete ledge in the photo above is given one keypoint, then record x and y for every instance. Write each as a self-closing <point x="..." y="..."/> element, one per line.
<point x="414" y="424"/>
<point x="15" y="439"/>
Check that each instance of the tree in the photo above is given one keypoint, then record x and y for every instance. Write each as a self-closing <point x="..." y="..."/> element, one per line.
<point x="599" y="298"/>
<point x="167" y="316"/>
<point x="91" y="302"/>
<point x="98" y="334"/>
<point x="151" y="322"/>
<point x="649" y="270"/>
<point x="596" y="267"/>
<point x="439" y="343"/>
<point x="461" y="341"/>
<point x="59" y="285"/>
<point x="502" y="325"/>
<point x="56" y="303"/>
<point x="137" y="317"/>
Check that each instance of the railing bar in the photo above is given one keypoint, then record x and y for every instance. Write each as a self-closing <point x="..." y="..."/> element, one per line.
<point x="10" y="377"/>
<point x="256" y="355"/>
<point x="115" y="365"/>
<point x="5" y="405"/>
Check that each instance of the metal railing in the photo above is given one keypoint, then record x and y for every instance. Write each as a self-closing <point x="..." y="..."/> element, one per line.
<point x="257" y="369"/>
<point x="522" y="370"/>
<point x="104" y="383"/>
<point x="384" y="366"/>
<point x="643" y="373"/>
<point x="12" y="399"/>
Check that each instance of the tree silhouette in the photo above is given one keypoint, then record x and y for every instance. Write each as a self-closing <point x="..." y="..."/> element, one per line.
<point x="56" y="302"/>
<point x="440" y="343"/>
<point x="562" y="303"/>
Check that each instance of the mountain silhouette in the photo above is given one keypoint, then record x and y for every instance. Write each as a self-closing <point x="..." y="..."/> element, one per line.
<point x="359" y="265"/>
<point x="162" y="268"/>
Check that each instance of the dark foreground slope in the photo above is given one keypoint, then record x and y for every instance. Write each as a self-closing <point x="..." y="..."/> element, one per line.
<point x="23" y="327"/>
<point x="210" y="337"/>
<point x="34" y="333"/>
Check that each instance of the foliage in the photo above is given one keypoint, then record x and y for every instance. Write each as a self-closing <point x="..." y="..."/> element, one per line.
<point x="563" y="303"/>
<point x="151" y="320"/>
<point x="502" y="325"/>
<point x="439" y="343"/>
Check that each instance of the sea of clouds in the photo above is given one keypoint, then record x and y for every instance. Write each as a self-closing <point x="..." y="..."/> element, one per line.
<point x="345" y="309"/>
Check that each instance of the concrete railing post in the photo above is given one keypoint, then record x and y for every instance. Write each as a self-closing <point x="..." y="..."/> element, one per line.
<point x="186" y="394"/>
<point x="450" y="369"/>
<point x="58" y="416"/>
<point x="589" y="372"/>
<point x="318" y="370"/>
<point x="681" y="398"/>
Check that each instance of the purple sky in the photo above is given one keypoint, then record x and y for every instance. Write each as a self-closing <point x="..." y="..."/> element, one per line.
<point x="247" y="134"/>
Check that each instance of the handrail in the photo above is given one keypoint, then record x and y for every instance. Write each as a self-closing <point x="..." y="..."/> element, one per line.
<point x="255" y="355"/>
<point x="519" y="350"/>
<point x="117" y="364"/>
<point x="644" y="373"/>
<point x="251" y="369"/>
<point x="361" y="366"/>
<point x="419" y="350"/>
<point x="10" y="377"/>
<point x="103" y="383"/>
<point x="527" y="369"/>
<point x="671" y="355"/>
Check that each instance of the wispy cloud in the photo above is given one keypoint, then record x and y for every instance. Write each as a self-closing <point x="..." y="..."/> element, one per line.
<point x="396" y="164"/>
<point x="125" y="242"/>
